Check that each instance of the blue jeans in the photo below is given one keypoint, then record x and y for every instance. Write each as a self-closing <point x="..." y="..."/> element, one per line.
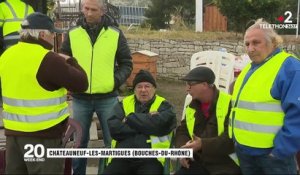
<point x="83" y="110"/>
<point x="265" y="164"/>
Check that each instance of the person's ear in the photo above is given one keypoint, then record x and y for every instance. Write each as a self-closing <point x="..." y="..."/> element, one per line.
<point x="41" y="34"/>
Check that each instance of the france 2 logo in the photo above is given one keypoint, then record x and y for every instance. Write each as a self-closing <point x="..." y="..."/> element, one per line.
<point x="286" y="18"/>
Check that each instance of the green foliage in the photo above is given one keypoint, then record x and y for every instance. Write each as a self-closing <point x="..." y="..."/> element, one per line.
<point x="159" y="12"/>
<point x="241" y="12"/>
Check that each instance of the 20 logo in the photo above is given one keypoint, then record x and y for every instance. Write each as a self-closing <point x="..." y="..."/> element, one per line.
<point x="34" y="153"/>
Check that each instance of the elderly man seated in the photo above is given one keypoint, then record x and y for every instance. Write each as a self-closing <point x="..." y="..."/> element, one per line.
<point x="141" y="120"/>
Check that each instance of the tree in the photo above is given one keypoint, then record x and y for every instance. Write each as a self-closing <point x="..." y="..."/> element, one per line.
<point x="241" y="12"/>
<point x="160" y="11"/>
<point x="158" y="14"/>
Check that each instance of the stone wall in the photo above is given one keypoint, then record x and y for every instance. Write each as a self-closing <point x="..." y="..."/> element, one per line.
<point x="174" y="55"/>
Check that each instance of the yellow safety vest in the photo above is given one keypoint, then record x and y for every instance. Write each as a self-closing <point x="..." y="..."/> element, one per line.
<point x="257" y="115"/>
<point x="221" y="112"/>
<point x="12" y="13"/>
<point x="97" y="60"/>
<point x="156" y="142"/>
<point x="28" y="107"/>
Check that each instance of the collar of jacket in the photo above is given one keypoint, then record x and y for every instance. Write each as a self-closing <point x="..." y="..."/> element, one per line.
<point x="39" y="41"/>
<point x="145" y="105"/>
<point x="103" y="23"/>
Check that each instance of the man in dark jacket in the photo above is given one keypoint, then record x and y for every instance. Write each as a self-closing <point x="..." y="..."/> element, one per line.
<point x="102" y="50"/>
<point x="35" y="81"/>
<point x="205" y="127"/>
<point x="135" y="122"/>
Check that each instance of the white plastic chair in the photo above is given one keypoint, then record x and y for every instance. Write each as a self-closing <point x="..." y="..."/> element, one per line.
<point x="221" y="63"/>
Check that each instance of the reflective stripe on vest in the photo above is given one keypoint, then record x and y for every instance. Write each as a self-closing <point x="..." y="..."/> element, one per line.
<point x="13" y="13"/>
<point x="10" y="40"/>
<point x="156" y="142"/>
<point x="28" y="107"/>
<point x="259" y="106"/>
<point x="11" y="37"/>
<point x="257" y="115"/>
<point x="221" y="112"/>
<point x="97" y="60"/>
<point x="34" y="119"/>
<point x="10" y="11"/>
<point x="15" y="17"/>
<point x="257" y="127"/>
<point x="34" y="103"/>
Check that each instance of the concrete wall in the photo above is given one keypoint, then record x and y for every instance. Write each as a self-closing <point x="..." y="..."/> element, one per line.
<point x="174" y="55"/>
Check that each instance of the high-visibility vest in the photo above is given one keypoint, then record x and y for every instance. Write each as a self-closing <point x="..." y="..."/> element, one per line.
<point x="257" y="115"/>
<point x="97" y="60"/>
<point x="12" y="13"/>
<point x="28" y="107"/>
<point x="156" y="142"/>
<point x="221" y="112"/>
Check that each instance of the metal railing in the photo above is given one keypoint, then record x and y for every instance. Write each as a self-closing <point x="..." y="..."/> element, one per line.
<point x="68" y="14"/>
<point x="131" y="15"/>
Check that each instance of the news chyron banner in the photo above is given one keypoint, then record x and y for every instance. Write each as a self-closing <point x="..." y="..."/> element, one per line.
<point x="38" y="153"/>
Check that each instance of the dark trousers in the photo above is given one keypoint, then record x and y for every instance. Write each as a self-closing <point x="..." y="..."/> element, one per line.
<point x="195" y="168"/>
<point x="265" y="164"/>
<point x="15" y="151"/>
<point x="134" y="166"/>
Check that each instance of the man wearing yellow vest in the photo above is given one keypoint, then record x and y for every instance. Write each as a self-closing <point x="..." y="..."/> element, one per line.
<point x="205" y="127"/>
<point x="265" y="118"/>
<point x="102" y="50"/>
<point x="142" y="120"/>
<point x="12" y="13"/>
<point x="35" y="81"/>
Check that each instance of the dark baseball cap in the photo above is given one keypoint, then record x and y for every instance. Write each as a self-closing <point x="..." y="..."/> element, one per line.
<point x="39" y="20"/>
<point x="200" y="74"/>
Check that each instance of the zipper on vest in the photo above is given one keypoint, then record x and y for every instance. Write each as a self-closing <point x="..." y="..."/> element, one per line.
<point x="92" y="59"/>
<point x="91" y="73"/>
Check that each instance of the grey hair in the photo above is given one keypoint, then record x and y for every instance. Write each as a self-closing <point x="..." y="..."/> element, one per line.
<point x="270" y="35"/>
<point x="34" y="33"/>
<point x="100" y="2"/>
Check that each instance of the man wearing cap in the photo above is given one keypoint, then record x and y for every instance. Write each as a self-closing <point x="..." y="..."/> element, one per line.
<point x="205" y="127"/>
<point x="141" y="120"/>
<point x="34" y="83"/>
<point x="102" y="50"/>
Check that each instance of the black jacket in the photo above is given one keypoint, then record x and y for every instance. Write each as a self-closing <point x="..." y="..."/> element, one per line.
<point x="123" y="60"/>
<point x="139" y="125"/>
<point x="215" y="149"/>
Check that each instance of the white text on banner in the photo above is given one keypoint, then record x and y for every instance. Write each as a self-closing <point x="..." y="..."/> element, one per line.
<point x="118" y="153"/>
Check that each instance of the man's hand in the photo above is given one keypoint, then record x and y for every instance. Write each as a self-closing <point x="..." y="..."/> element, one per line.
<point x="195" y="144"/>
<point x="184" y="162"/>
